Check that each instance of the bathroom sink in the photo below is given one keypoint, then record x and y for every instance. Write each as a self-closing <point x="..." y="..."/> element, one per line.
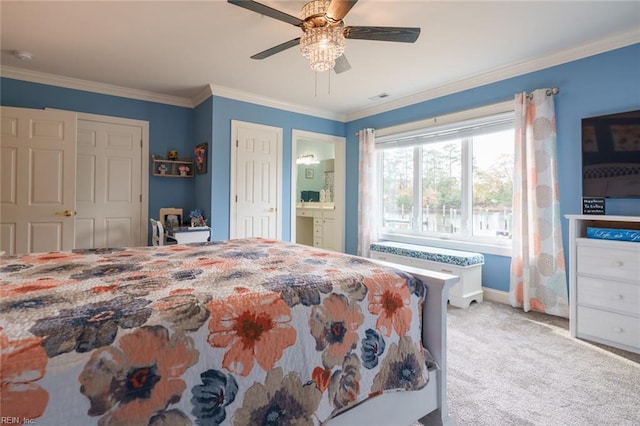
<point x="315" y="205"/>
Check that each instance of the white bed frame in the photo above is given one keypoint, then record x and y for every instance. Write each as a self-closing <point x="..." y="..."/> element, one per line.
<point x="405" y="408"/>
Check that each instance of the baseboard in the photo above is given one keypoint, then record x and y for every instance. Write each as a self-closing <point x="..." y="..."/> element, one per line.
<point x="496" y="295"/>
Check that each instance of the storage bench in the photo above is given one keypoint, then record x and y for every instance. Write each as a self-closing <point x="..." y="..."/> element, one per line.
<point x="466" y="265"/>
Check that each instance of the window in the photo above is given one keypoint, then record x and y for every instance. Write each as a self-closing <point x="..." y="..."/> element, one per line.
<point x="449" y="181"/>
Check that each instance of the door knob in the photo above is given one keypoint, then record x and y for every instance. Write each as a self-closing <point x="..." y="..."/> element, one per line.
<point x="271" y="210"/>
<point x="66" y="213"/>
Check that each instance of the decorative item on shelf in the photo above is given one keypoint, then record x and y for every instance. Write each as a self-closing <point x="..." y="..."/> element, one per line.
<point x="184" y="170"/>
<point x="198" y="218"/>
<point x="616" y="234"/>
<point x="172" y="155"/>
<point x="200" y="154"/>
<point x="171" y="168"/>
<point x="172" y="222"/>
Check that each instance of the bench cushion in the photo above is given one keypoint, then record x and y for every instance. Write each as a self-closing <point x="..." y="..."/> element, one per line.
<point x="434" y="254"/>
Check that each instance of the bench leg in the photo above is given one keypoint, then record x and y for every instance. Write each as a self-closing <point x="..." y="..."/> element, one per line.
<point x="464" y="302"/>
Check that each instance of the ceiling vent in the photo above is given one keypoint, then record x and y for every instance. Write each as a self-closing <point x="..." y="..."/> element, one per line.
<point x="380" y="96"/>
<point x="23" y="55"/>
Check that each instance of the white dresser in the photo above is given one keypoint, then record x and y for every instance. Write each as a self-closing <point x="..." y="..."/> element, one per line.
<point x="604" y="280"/>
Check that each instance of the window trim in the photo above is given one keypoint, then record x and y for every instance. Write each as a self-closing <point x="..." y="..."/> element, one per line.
<point x="410" y="129"/>
<point x="469" y="114"/>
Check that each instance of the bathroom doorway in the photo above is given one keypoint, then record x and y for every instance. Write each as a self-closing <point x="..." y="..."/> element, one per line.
<point x="318" y="190"/>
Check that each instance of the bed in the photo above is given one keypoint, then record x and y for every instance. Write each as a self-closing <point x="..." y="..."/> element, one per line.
<point x="236" y="332"/>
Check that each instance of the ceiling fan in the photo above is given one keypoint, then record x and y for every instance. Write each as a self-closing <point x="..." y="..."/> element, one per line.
<point x="324" y="33"/>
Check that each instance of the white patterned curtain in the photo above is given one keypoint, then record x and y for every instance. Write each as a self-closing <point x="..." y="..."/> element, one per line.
<point x="538" y="279"/>
<point x="367" y="192"/>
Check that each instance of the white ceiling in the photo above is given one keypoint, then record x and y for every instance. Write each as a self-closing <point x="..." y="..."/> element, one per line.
<point x="181" y="48"/>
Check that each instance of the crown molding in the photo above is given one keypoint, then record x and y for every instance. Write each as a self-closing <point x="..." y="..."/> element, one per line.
<point x="202" y="96"/>
<point x="513" y="70"/>
<point x="208" y="91"/>
<point x="92" y="86"/>
<point x="238" y="95"/>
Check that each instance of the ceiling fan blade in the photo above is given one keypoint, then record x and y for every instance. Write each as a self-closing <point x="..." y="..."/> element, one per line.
<point x="267" y="11"/>
<point x="277" y="49"/>
<point x="338" y="9"/>
<point x="342" y="64"/>
<point x="399" y="34"/>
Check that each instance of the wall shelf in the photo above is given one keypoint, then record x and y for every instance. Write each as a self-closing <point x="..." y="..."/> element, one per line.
<point x="163" y="167"/>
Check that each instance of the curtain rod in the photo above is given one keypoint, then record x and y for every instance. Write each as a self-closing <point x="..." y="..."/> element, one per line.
<point x="550" y="92"/>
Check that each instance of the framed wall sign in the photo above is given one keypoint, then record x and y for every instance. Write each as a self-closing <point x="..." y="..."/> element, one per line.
<point x="593" y="205"/>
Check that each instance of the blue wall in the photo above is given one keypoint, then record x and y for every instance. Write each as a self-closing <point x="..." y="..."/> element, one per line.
<point x="170" y="127"/>
<point x="600" y="84"/>
<point x="224" y="111"/>
<point x="604" y="83"/>
<point x="204" y="134"/>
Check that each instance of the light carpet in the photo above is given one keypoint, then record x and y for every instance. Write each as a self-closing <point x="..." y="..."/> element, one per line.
<point x="508" y="367"/>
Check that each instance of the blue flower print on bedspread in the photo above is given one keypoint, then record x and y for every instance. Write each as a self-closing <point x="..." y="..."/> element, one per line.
<point x="344" y="388"/>
<point x="14" y="267"/>
<point x="246" y="254"/>
<point x="186" y="275"/>
<point x="401" y="367"/>
<point x="280" y="400"/>
<point x="211" y="398"/>
<point x="372" y="348"/>
<point x="33" y="303"/>
<point x="415" y="285"/>
<point x="299" y="288"/>
<point x="91" y="326"/>
<point x="107" y="270"/>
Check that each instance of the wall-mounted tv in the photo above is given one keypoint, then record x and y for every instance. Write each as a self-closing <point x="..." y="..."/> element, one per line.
<point x="611" y="155"/>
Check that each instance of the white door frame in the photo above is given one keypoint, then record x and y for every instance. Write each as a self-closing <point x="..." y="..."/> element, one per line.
<point x="144" y="164"/>
<point x="339" y="197"/>
<point x="233" y="170"/>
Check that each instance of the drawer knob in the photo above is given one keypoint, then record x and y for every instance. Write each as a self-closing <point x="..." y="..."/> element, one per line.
<point x="618" y="329"/>
<point x="618" y="263"/>
<point x="619" y="297"/>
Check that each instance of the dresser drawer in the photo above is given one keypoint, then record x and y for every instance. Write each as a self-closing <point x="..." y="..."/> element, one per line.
<point x="609" y="262"/>
<point x="623" y="297"/>
<point x="616" y="328"/>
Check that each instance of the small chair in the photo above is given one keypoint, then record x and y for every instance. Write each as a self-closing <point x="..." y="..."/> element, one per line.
<point x="165" y="212"/>
<point x="157" y="233"/>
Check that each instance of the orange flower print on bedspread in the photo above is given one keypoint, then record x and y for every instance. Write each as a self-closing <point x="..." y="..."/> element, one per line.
<point x="40" y="284"/>
<point x="255" y="328"/>
<point x="334" y="324"/>
<point x="139" y="377"/>
<point x="22" y="364"/>
<point x="389" y="299"/>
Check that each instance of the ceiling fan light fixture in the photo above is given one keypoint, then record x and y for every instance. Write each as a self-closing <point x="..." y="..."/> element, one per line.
<point x="322" y="45"/>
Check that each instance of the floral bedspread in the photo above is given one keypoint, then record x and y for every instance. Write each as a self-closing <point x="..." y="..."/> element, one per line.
<point x="239" y="332"/>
